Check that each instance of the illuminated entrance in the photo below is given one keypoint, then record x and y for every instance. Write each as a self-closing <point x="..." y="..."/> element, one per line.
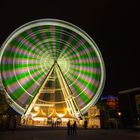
<point x="51" y="69"/>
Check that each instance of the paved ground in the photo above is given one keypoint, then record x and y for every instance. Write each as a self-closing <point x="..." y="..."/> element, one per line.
<point x="61" y="134"/>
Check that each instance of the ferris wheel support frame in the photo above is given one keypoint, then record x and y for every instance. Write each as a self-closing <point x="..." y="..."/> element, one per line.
<point x="72" y="106"/>
<point x="30" y="107"/>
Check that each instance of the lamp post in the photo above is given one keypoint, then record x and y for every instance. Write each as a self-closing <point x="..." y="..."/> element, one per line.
<point x="119" y="118"/>
<point x="119" y="114"/>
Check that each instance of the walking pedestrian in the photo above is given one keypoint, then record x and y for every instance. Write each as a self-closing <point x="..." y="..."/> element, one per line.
<point x="74" y="128"/>
<point x="85" y="124"/>
<point x="68" y="127"/>
<point x="14" y="124"/>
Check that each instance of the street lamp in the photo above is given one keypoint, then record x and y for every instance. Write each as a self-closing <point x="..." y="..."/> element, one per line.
<point x="119" y="121"/>
<point x="119" y="114"/>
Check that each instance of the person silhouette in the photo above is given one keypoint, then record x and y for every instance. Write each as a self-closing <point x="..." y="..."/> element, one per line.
<point x="68" y="127"/>
<point x="85" y="124"/>
<point x="14" y="124"/>
<point x="74" y="128"/>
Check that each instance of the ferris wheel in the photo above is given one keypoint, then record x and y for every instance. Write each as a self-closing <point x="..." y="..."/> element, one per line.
<point x="51" y="64"/>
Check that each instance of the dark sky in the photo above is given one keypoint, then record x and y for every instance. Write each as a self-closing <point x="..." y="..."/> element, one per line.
<point x="112" y="25"/>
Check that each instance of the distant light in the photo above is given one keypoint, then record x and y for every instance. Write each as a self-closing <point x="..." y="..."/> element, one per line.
<point x="119" y="113"/>
<point x="109" y="97"/>
<point x="36" y="108"/>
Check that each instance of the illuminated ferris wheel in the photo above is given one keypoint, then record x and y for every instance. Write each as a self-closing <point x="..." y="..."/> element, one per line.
<point x="52" y="66"/>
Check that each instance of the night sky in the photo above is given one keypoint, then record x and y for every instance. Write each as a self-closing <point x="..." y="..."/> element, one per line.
<point x="112" y="25"/>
